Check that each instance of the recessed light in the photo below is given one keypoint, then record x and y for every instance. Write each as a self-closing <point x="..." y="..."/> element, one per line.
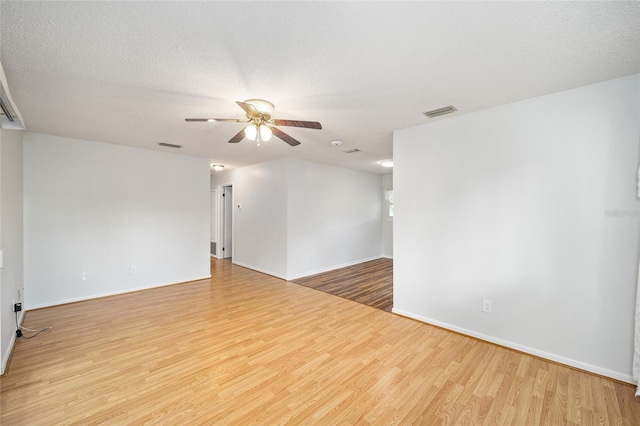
<point x="211" y="120"/>
<point x="336" y="142"/>
<point x="386" y="163"/>
<point x="217" y="167"/>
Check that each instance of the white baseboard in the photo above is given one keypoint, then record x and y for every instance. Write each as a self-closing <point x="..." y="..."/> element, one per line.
<point x="111" y="293"/>
<point x="308" y="273"/>
<point x="386" y="256"/>
<point x="264" y="271"/>
<point x="331" y="268"/>
<point x="7" y="353"/>
<point x="532" y="351"/>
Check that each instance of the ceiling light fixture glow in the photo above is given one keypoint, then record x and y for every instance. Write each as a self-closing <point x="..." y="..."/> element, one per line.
<point x="217" y="167"/>
<point x="265" y="132"/>
<point x="386" y="163"/>
<point x="251" y="132"/>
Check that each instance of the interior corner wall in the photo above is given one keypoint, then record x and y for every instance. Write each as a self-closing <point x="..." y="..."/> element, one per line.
<point x="11" y="238"/>
<point x="531" y="205"/>
<point x="259" y="215"/>
<point x="294" y="218"/>
<point x="387" y="224"/>
<point x="102" y="210"/>
<point x="334" y="217"/>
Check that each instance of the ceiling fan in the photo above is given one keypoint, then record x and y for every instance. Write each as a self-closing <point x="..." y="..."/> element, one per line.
<point x="261" y="123"/>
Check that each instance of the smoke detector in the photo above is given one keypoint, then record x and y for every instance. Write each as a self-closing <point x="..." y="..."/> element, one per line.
<point x="336" y="142"/>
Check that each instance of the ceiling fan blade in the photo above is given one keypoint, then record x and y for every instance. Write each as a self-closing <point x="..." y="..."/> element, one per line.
<point x="285" y="137"/>
<point x="298" y="123"/>
<point x="238" y="137"/>
<point x="231" y="120"/>
<point x="249" y="109"/>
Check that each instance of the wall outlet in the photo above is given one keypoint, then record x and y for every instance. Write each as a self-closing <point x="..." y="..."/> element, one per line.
<point x="84" y="276"/>
<point x="486" y="306"/>
<point x="134" y="269"/>
<point x="17" y="307"/>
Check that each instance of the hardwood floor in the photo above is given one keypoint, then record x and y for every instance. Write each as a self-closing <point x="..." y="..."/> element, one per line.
<point x="370" y="283"/>
<point x="246" y="348"/>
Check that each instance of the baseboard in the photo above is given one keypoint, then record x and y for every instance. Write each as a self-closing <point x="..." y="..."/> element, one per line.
<point x="107" y="294"/>
<point x="521" y="348"/>
<point x="6" y="356"/>
<point x="331" y="268"/>
<point x="386" y="256"/>
<point x="264" y="271"/>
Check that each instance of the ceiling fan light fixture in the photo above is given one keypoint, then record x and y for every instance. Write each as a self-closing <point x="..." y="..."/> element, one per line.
<point x="265" y="132"/>
<point x="251" y="132"/>
<point x="262" y="106"/>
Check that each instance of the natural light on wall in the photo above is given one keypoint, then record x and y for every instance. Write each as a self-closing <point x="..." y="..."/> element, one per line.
<point x="388" y="200"/>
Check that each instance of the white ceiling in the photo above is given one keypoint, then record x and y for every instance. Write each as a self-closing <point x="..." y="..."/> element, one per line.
<point x="130" y="72"/>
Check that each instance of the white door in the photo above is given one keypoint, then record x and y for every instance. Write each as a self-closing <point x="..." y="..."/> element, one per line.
<point x="214" y="222"/>
<point x="227" y="226"/>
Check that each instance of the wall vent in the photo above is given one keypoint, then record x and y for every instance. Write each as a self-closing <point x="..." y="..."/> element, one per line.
<point x="169" y="145"/>
<point x="351" y="151"/>
<point x="10" y="117"/>
<point x="440" y="111"/>
<point x="5" y="105"/>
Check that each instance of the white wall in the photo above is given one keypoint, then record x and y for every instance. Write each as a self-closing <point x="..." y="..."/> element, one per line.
<point x="387" y="224"/>
<point x="298" y="218"/>
<point x="334" y="216"/>
<point x="508" y="204"/>
<point x="11" y="237"/>
<point x="260" y="224"/>
<point x="103" y="209"/>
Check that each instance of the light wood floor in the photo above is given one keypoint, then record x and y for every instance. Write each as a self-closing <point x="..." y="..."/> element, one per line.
<point x="246" y="348"/>
<point x="370" y="283"/>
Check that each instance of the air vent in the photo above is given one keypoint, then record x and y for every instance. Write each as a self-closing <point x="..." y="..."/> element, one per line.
<point x="351" y="151"/>
<point x="169" y="145"/>
<point x="440" y="111"/>
<point x="10" y="117"/>
<point x="5" y="107"/>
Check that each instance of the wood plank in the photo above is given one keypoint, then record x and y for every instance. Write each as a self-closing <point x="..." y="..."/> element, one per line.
<point x="247" y="348"/>
<point x="369" y="283"/>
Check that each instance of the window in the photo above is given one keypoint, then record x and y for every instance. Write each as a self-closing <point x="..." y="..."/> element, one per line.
<point x="388" y="204"/>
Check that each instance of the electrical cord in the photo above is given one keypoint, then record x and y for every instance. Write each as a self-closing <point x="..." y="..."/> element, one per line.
<point x="19" y="329"/>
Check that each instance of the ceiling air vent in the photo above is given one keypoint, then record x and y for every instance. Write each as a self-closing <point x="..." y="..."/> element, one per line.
<point x="351" y="151"/>
<point x="440" y="111"/>
<point x="169" y="145"/>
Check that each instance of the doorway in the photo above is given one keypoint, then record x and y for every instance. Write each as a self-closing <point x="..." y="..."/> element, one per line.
<point x="227" y="222"/>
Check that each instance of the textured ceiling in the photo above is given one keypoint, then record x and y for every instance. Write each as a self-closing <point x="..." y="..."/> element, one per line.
<point x="130" y="72"/>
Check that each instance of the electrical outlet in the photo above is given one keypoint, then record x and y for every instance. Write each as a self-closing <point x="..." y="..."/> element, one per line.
<point x="486" y="306"/>
<point x="17" y="307"/>
<point x="134" y="269"/>
<point x="84" y="276"/>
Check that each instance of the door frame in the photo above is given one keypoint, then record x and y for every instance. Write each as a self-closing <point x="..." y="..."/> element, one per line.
<point x="221" y="222"/>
